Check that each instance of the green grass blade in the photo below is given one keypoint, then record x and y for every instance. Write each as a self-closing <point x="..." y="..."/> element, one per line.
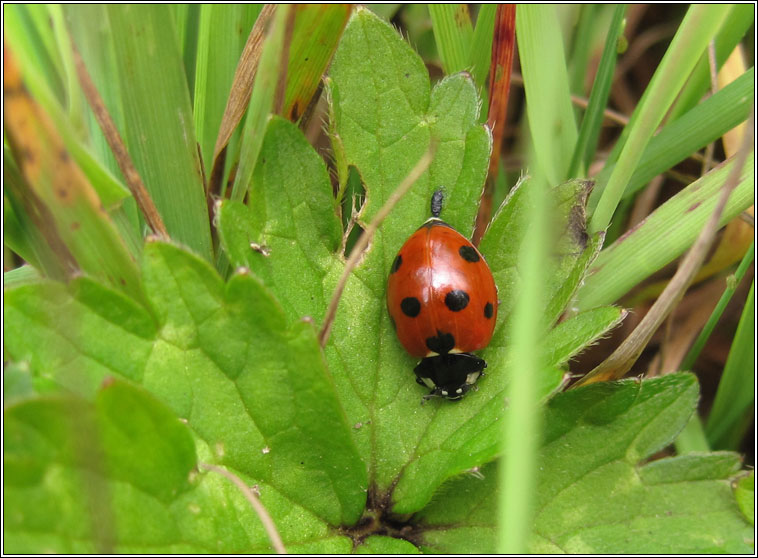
<point x="222" y="32"/>
<point x="385" y="11"/>
<point x="261" y="102"/>
<point x="702" y="125"/>
<point x="71" y="128"/>
<point x="580" y="49"/>
<point x="109" y="188"/>
<point x="520" y="434"/>
<point x="186" y="18"/>
<point x="731" y="286"/>
<point x="737" y="23"/>
<point x="57" y="195"/>
<point x="551" y="118"/>
<point x="453" y="34"/>
<point x="158" y="125"/>
<point x="586" y="143"/>
<point x="736" y="391"/>
<point x="481" y="47"/>
<point x="33" y="45"/>
<point x="318" y="28"/>
<point x="75" y="101"/>
<point x="20" y="231"/>
<point x="23" y="275"/>
<point x="671" y="229"/>
<point x="699" y="26"/>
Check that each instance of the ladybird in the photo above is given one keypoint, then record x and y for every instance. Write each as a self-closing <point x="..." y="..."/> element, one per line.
<point x="442" y="302"/>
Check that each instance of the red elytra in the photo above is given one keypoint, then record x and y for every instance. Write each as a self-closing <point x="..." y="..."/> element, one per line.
<point x="442" y="299"/>
<point x="441" y="283"/>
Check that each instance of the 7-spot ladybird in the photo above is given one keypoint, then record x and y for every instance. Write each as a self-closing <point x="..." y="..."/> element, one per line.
<point x="442" y="301"/>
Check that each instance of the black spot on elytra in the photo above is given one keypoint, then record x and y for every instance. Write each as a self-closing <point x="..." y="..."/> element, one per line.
<point x="410" y="306"/>
<point x="488" y="310"/>
<point x="456" y="300"/>
<point x="469" y="253"/>
<point x="397" y="263"/>
<point x="442" y="343"/>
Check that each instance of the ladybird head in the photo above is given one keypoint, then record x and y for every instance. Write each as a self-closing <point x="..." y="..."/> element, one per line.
<point x="437" y="199"/>
<point x="449" y="375"/>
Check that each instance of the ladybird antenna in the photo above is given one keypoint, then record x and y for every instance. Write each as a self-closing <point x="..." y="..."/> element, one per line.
<point x="437" y="198"/>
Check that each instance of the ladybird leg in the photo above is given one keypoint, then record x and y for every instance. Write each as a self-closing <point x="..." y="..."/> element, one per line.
<point x="434" y="394"/>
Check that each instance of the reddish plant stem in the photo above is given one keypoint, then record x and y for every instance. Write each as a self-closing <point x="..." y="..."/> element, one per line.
<point x="503" y="46"/>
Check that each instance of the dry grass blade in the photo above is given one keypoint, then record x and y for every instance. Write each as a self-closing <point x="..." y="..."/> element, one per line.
<point x="116" y="143"/>
<point x="503" y="45"/>
<point x="242" y="87"/>
<point x="368" y="234"/>
<point x="268" y="523"/>
<point x="622" y="359"/>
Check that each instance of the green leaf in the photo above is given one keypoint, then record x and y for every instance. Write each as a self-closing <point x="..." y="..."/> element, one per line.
<point x="62" y="453"/>
<point x="744" y="492"/>
<point x="386" y="116"/>
<point x="17" y="382"/>
<point x="385" y="11"/>
<point x="467" y="508"/>
<point x="691" y="467"/>
<point x="572" y="251"/>
<point x="596" y="493"/>
<point x="290" y="223"/>
<point x="221" y="357"/>
<point x="378" y="544"/>
<point x="574" y="334"/>
<point x="66" y="459"/>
